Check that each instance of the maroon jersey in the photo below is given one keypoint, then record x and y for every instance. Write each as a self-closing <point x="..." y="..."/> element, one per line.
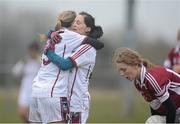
<point x="157" y="85"/>
<point x="173" y="57"/>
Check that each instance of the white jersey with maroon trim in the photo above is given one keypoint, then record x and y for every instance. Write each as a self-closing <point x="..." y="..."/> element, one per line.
<point x="84" y="58"/>
<point x="157" y="85"/>
<point x="50" y="80"/>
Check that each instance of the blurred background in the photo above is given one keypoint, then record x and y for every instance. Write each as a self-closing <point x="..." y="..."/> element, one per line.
<point x="149" y="26"/>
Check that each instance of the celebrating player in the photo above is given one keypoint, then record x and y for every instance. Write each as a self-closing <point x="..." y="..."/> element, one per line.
<point x="82" y="62"/>
<point x="49" y="92"/>
<point x="159" y="86"/>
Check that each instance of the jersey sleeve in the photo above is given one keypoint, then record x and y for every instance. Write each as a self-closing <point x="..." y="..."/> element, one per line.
<point x="158" y="86"/>
<point x="85" y="54"/>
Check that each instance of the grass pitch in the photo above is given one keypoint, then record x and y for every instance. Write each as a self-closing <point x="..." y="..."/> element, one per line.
<point x="106" y="107"/>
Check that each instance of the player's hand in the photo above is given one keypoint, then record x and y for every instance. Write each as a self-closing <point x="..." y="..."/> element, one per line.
<point x="55" y="37"/>
<point x="48" y="46"/>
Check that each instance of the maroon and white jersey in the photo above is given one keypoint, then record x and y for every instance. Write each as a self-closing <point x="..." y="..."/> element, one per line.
<point x="157" y="85"/>
<point x="173" y="57"/>
<point x="84" y="58"/>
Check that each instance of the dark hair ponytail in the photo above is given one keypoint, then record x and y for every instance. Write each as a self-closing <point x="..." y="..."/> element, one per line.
<point x="96" y="32"/>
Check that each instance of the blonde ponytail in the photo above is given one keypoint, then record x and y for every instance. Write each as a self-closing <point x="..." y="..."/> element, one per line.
<point x="64" y="19"/>
<point x="58" y="25"/>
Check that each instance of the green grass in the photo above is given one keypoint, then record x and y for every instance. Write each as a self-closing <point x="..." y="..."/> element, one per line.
<point x="106" y="107"/>
<point x="8" y="106"/>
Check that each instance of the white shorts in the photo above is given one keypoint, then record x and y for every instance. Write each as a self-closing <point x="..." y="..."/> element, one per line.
<point x="48" y="110"/>
<point x="80" y="115"/>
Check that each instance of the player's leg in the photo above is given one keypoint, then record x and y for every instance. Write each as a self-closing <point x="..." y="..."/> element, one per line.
<point x="23" y="111"/>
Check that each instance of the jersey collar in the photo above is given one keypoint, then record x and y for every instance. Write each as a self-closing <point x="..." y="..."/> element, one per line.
<point x="142" y="74"/>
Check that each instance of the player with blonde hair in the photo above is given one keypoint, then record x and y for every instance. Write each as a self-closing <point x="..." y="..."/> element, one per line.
<point x="159" y="86"/>
<point x="81" y="62"/>
<point x="64" y="19"/>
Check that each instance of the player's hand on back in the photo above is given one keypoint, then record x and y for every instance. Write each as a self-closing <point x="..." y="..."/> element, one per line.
<point x="55" y="37"/>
